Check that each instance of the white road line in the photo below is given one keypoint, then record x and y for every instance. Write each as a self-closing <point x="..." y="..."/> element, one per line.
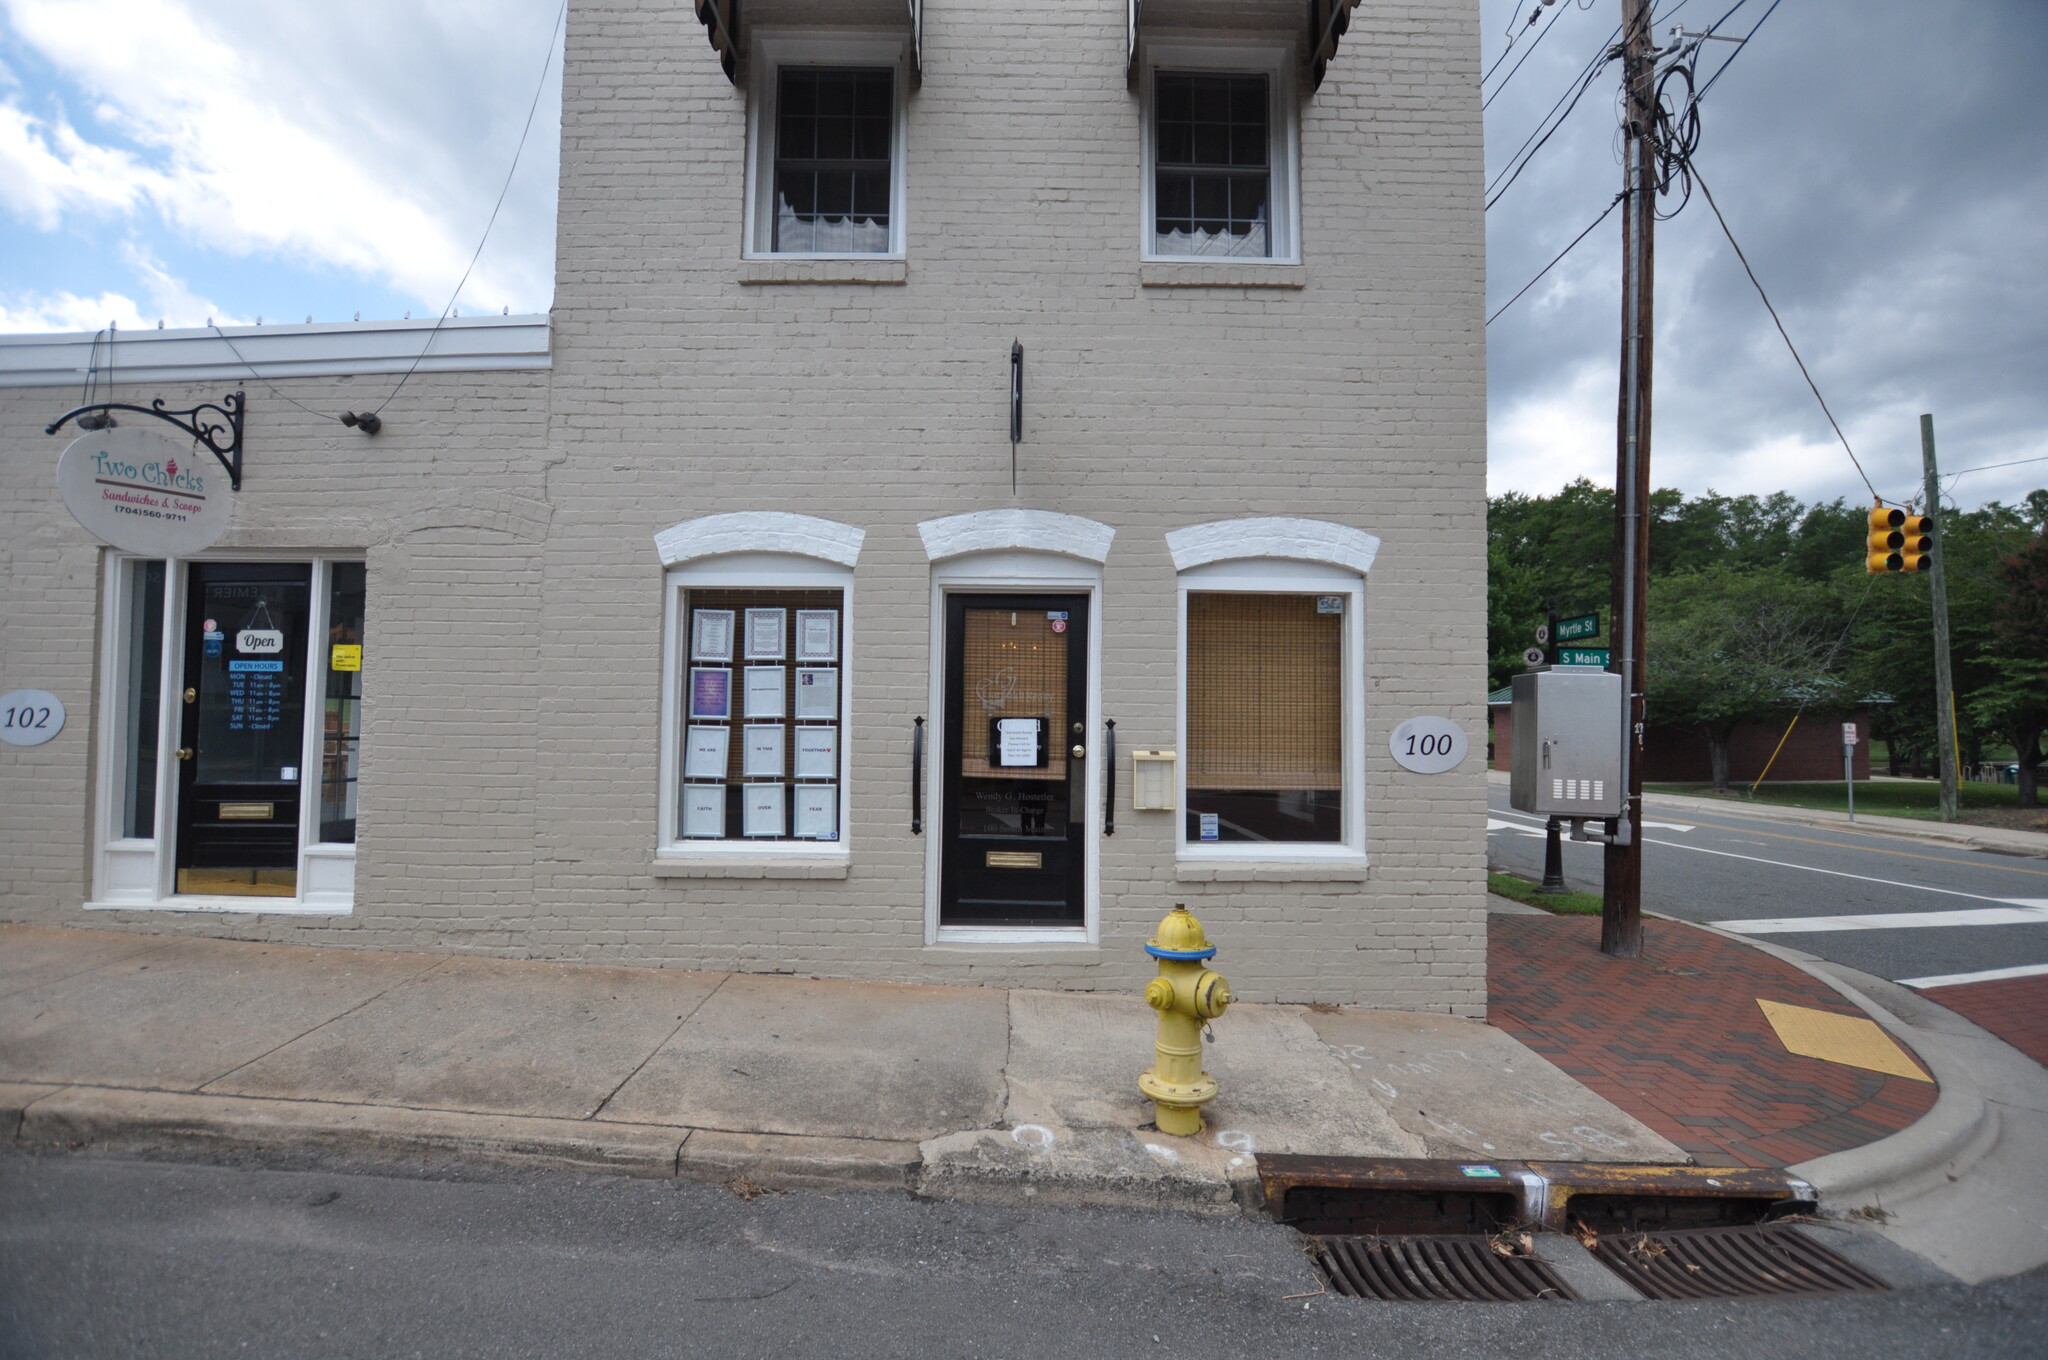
<point x="1893" y="920"/>
<point x="1493" y="813"/>
<point x="1835" y="873"/>
<point x="1988" y="975"/>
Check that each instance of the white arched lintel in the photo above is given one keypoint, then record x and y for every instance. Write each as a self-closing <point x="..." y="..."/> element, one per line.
<point x="1016" y="531"/>
<point x="759" y="531"/>
<point x="1302" y="540"/>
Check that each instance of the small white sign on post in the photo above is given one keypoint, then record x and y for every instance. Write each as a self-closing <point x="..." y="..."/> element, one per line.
<point x="1428" y="745"/>
<point x="1848" y="734"/>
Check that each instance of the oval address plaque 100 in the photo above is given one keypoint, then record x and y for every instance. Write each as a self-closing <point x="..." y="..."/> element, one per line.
<point x="1428" y="745"/>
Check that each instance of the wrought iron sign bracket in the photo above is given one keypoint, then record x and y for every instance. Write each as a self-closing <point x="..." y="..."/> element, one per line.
<point x="220" y="431"/>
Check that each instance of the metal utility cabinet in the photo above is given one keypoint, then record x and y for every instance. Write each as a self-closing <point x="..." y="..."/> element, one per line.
<point x="1567" y="751"/>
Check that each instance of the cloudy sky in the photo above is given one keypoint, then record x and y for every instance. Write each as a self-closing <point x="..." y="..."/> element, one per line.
<point x="1881" y="162"/>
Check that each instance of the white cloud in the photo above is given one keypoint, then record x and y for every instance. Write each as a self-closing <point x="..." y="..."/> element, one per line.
<point x="292" y="133"/>
<point x="170" y="302"/>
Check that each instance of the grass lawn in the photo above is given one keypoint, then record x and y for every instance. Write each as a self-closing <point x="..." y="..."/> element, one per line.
<point x="1520" y="889"/>
<point x="1880" y="798"/>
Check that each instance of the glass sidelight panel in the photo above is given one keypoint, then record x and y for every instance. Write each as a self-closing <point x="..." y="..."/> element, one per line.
<point x="142" y="673"/>
<point x="342" y="721"/>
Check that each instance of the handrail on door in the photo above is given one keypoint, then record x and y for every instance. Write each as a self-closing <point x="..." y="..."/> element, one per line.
<point x="917" y="779"/>
<point x="1109" y="777"/>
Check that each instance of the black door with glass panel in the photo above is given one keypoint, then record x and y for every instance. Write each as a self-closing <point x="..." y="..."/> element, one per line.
<point x="243" y="733"/>
<point x="1013" y="814"/>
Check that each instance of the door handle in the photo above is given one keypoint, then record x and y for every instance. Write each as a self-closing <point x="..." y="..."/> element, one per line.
<point x="191" y="696"/>
<point x="1080" y="751"/>
<point x="917" y="779"/>
<point x="1109" y="777"/>
<point x="184" y="753"/>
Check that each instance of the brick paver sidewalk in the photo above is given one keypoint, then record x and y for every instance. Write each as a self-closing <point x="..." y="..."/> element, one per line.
<point x="2015" y="1009"/>
<point x="1676" y="1038"/>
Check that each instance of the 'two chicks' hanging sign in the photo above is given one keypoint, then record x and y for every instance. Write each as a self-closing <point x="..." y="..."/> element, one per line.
<point x="138" y="490"/>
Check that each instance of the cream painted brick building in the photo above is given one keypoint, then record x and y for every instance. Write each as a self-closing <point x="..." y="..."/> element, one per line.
<point x="1249" y="491"/>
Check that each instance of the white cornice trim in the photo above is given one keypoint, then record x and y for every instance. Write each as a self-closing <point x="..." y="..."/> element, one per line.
<point x="236" y="354"/>
<point x="1016" y="530"/>
<point x="759" y="531"/>
<point x="1301" y="540"/>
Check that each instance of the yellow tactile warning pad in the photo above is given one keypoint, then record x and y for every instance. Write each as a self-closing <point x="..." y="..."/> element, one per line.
<point x="1850" y="1040"/>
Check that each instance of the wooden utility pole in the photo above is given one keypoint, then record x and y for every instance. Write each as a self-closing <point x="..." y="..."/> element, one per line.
<point x="1621" y="905"/>
<point x="1944" y="682"/>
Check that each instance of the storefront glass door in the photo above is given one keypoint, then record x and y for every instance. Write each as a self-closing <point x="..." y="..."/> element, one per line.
<point x="1012" y="814"/>
<point x="242" y="738"/>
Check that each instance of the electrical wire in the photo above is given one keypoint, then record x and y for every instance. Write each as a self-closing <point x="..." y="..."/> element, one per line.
<point x="547" y="62"/>
<point x="1986" y="467"/>
<point x="1506" y="79"/>
<point x="1754" y="281"/>
<point x="1523" y="157"/>
<point x="1514" y="36"/>
<point x="1559" y="256"/>
<point x="1722" y="69"/>
<point x="258" y="376"/>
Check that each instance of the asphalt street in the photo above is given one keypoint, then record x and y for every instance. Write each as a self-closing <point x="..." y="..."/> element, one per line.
<point x="134" y="1259"/>
<point x="1939" y="910"/>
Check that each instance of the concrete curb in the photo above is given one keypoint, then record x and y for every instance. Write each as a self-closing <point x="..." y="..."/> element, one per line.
<point x="1937" y="1147"/>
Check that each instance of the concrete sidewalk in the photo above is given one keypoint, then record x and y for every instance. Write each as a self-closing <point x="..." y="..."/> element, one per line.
<point x="967" y="1093"/>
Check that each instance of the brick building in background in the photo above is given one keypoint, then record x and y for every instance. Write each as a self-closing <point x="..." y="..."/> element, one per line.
<point x="614" y="643"/>
<point x="1810" y="749"/>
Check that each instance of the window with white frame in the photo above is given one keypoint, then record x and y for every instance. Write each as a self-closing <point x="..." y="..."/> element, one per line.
<point x="1219" y="152"/>
<point x="756" y="697"/>
<point x="826" y="161"/>
<point x="1272" y="761"/>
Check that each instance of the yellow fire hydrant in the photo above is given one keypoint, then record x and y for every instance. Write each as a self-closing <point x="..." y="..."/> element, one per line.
<point x="1187" y="996"/>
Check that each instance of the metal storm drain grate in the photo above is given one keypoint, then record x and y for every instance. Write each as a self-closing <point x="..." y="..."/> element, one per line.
<point x="1730" y="1263"/>
<point x="1438" y="1268"/>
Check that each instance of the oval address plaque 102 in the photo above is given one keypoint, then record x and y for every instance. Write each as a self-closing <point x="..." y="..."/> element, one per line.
<point x="1428" y="745"/>
<point x="30" y="717"/>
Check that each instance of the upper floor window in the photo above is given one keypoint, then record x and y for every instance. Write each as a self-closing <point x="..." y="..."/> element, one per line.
<point x="827" y="162"/>
<point x="1219" y="154"/>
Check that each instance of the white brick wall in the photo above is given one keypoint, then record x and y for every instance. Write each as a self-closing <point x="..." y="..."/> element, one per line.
<point x="513" y="671"/>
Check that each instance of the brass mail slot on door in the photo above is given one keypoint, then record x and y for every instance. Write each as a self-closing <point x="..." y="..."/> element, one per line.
<point x="1016" y="859"/>
<point x="248" y="812"/>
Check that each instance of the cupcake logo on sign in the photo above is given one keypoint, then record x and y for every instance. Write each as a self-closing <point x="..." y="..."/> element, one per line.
<point x="130" y="488"/>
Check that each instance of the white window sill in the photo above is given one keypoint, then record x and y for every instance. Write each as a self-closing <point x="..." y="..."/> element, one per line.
<point x="1197" y="273"/>
<point x="1066" y="941"/>
<point x="247" y="906"/>
<point x="852" y="269"/>
<point x="736" y="866"/>
<point x="1270" y="871"/>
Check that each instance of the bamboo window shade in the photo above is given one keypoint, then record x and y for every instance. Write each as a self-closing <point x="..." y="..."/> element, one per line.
<point x="1013" y="670"/>
<point x="1264" y="676"/>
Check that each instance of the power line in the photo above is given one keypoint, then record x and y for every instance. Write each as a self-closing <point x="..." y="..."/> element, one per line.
<point x="281" y="396"/>
<point x="1559" y="256"/>
<point x="1720" y="70"/>
<point x="539" y="88"/>
<point x="1702" y="179"/>
<point x="1509" y="77"/>
<point x="1585" y="83"/>
<point x="1986" y="467"/>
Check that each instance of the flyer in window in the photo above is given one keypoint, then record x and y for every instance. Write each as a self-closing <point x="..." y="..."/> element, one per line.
<point x="763" y="809"/>
<point x="817" y="753"/>
<point x="765" y="641"/>
<point x="817" y="635"/>
<point x="705" y="756"/>
<point x="704" y="811"/>
<point x="817" y="693"/>
<point x="711" y="692"/>
<point x="764" y="691"/>
<point x="817" y="812"/>
<point x="764" y="751"/>
<point x="711" y="635"/>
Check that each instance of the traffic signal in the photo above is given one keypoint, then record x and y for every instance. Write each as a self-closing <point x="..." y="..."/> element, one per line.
<point x="1899" y="541"/>
<point x="1917" y="552"/>
<point x="1887" y="537"/>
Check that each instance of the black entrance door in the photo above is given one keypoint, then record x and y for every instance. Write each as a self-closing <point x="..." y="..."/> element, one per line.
<point x="244" y="728"/>
<point x="1013" y="816"/>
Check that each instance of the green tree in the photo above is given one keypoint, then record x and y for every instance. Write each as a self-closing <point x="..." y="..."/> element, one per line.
<point x="2014" y="702"/>
<point x="1729" y="646"/>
